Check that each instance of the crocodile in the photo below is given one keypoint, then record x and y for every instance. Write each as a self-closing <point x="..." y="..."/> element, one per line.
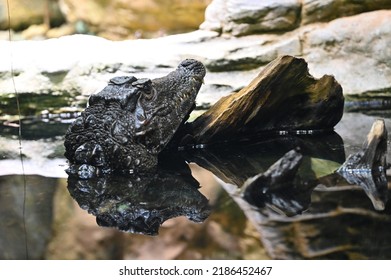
<point x="127" y="124"/>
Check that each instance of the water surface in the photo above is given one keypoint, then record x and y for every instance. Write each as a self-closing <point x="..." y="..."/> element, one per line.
<point x="194" y="195"/>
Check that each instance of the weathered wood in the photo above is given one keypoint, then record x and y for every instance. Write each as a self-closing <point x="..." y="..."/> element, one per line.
<point x="367" y="168"/>
<point x="283" y="97"/>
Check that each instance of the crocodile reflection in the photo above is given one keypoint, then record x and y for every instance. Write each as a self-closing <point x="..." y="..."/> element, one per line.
<point x="141" y="203"/>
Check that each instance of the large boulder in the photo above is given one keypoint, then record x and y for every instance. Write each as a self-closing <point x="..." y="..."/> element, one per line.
<point x="242" y="17"/>
<point x="125" y="18"/>
<point x="355" y="49"/>
<point x="321" y="10"/>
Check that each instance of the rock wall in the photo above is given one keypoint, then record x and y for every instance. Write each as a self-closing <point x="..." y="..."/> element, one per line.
<point x="243" y="17"/>
<point x="355" y="49"/>
<point x="113" y="19"/>
<point x="126" y="17"/>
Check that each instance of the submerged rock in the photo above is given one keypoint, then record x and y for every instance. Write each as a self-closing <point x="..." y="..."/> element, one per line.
<point x="283" y="98"/>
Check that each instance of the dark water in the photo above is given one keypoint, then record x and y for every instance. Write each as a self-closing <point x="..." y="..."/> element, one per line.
<point x="183" y="211"/>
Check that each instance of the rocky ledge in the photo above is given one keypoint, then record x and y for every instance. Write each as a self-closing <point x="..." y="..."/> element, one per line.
<point x="353" y="49"/>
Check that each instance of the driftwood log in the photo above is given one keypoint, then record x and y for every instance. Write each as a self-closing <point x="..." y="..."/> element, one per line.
<point x="283" y="98"/>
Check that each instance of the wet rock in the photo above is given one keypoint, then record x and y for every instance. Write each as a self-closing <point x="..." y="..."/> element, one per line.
<point x="283" y="97"/>
<point x="367" y="168"/>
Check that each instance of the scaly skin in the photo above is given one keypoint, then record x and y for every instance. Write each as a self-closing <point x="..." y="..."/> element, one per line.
<point x="130" y="121"/>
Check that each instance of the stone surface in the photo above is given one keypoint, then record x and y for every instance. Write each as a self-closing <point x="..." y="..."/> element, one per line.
<point x="242" y="17"/>
<point x="353" y="49"/>
<point x="321" y="10"/>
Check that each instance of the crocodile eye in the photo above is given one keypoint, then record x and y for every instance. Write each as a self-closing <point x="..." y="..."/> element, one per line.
<point x="148" y="95"/>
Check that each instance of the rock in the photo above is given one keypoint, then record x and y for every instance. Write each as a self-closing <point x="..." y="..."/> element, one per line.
<point x="367" y="168"/>
<point x="254" y="55"/>
<point x="320" y="10"/>
<point x="27" y="12"/>
<point x="242" y="17"/>
<point x="35" y="31"/>
<point x="118" y="19"/>
<point x="283" y="97"/>
<point x="355" y="49"/>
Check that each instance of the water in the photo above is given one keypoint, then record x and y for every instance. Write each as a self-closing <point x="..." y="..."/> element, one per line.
<point x="198" y="205"/>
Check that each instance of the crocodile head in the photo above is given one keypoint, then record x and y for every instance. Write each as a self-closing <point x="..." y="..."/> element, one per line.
<point x="131" y="120"/>
<point x="166" y="103"/>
